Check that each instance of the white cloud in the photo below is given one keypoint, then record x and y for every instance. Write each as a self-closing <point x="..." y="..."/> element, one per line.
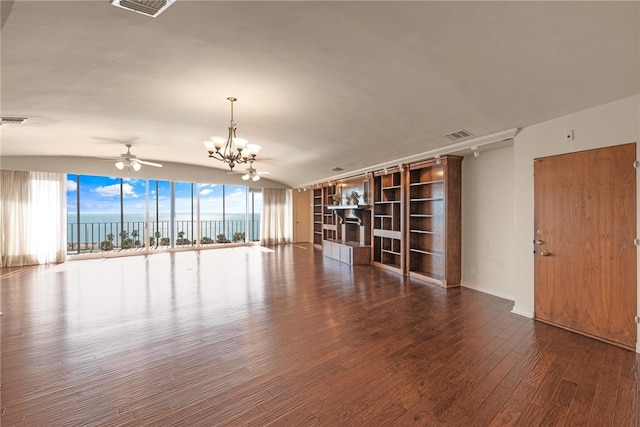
<point x="240" y="192"/>
<point x="206" y="191"/>
<point x="114" y="190"/>
<point x="72" y="186"/>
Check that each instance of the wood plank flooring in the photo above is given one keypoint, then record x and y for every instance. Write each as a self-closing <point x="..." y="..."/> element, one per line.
<point x="253" y="336"/>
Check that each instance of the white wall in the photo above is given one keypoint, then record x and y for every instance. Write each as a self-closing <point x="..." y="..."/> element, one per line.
<point x="610" y="124"/>
<point x="497" y="197"/>
<point x="488" y="222"/>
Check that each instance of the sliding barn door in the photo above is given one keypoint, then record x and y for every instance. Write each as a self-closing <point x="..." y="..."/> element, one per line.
<point x="585" y="256"/>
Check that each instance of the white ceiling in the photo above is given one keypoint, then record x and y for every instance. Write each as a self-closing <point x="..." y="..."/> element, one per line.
<point x="319" y="84"/>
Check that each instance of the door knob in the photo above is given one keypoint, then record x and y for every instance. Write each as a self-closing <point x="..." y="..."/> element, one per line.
<point x="545" y="253"/>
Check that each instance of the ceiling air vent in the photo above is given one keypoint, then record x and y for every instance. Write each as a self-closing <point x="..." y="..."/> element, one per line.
<point x="146" y="7"/>
<point x="458" y="135"/>
<point x="12" y="120"/>
<point x="337" y="169"/>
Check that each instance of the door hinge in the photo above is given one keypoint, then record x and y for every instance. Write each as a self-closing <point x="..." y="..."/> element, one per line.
<point x="637" y="319"/>
<point x="636" y="164"/>
<point x="636" y="242"/>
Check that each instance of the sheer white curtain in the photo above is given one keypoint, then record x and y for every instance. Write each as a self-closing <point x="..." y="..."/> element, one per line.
<point x="277" y="215"/>
<point x="32" y="218"/>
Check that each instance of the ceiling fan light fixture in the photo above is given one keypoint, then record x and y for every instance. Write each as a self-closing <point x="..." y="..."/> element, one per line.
<point x="251" y="177"/>
<point x="129" y="161"/>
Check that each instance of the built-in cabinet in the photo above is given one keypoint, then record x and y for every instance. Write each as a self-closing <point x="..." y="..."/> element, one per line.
<point x="388" y="220"/>
<point x="329" y="219"/>
<point x="410" y="223"/>
<point x="317" y="217"/>
<point x="347" y="223"/>
<point x="434" y="220"/>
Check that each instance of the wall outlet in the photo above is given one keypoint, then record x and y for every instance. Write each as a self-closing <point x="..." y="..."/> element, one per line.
<point x="473" y="270"/>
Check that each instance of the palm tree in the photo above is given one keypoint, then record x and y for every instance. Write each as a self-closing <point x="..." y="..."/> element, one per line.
<point x="134" y="234"/>
<point x="107" y="245"/>
<point x="180" y="238"/>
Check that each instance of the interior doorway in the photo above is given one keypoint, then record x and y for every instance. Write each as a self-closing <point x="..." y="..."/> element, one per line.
<point x="301" y="217"/>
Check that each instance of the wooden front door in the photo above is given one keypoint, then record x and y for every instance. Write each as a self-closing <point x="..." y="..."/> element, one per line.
<point x="585" y="256"/>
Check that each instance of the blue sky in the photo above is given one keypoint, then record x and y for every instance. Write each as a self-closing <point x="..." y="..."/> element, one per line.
<point x="99" y="194"/>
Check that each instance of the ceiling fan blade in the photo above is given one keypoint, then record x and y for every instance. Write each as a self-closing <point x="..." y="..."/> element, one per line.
<point x="144" y="162"/>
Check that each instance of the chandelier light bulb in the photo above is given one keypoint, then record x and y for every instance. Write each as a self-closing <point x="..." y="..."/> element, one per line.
<point x="120" y="165"/>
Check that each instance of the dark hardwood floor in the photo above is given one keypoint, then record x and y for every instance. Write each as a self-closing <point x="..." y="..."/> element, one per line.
<point x="252" y="336"/>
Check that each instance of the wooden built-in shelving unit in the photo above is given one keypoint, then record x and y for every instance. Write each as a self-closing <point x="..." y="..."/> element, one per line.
<point x="387" y="221"/>
<point x="409" y="223"/>
<point x="347" y="227"/>
<point x="317" y="217"/>
<point x="434" y="220"/>
<point x="329" y="219"/>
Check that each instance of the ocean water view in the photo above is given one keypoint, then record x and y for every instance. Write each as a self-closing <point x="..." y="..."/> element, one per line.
<point x="98" y="201"/>
<point x="100" y="231"/>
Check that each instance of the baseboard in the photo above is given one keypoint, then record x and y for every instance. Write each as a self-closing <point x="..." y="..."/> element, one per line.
<point x="519" y="311"/>
<point x="487" y="291"/>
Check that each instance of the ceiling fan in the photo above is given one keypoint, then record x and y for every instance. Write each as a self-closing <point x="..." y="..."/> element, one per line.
<point x="130" y="161"/>
<point x="250" y="174"/>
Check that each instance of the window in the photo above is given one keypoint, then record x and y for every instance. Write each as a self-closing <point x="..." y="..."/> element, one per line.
<point x="116" y="214"/>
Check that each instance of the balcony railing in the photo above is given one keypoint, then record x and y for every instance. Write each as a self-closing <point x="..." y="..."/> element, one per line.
<point x="130" y="235"/>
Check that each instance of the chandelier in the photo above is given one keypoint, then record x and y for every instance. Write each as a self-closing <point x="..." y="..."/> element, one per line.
<point x="231" y="150"/>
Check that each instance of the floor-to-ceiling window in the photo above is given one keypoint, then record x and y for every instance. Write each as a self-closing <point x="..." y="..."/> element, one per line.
<point x="96" y="207"/>
<point x="159" y="214"/>
<point x="133" y="211"/>
<point x="212" y="227"/>
<point x="254" y="209"/>
<point x="235" y="212"/>
<point x="116" y="214"/>
<point x="186" y="209"/>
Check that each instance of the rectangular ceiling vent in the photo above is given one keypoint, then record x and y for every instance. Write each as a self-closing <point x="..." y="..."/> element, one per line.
<point x="12" y="120"/>
<point x="337" y="169"/>
<point x="458" y="135"/>
<point x="151" y="8"/>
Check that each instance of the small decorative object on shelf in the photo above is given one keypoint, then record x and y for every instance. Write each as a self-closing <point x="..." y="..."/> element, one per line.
<point x="337" y="198"/>
<point x="355" y="198"/>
